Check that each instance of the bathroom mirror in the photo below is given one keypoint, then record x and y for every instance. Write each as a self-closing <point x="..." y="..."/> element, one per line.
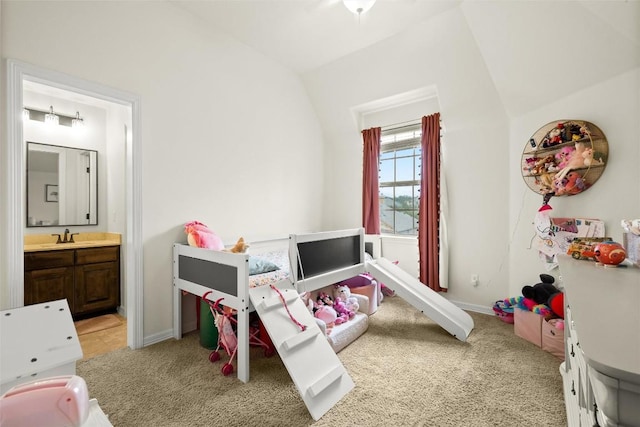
<point x="62" y="186"/>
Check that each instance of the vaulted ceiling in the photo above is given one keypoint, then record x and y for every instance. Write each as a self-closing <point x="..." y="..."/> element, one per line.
<point x="562" y="46"/>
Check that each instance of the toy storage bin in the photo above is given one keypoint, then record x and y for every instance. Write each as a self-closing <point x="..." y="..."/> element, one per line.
<point x="553" y="338"/>
<point x="528" y="325"/>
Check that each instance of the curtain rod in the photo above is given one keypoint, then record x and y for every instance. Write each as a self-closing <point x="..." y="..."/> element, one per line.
<point x="401" y="125"/>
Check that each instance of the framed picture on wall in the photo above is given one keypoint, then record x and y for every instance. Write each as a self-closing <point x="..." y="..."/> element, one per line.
<point x="51" y="193"/>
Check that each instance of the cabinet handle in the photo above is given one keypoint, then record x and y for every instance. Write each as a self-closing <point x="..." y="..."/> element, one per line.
<point x="573" y="354"/>
<point x="573" y="389"/>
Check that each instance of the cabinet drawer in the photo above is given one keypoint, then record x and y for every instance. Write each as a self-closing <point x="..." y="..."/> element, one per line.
<point x="94" y="255"/>
<point x="48" y="259"/>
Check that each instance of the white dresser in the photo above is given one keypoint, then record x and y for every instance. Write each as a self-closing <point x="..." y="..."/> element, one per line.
<point x="37" y="341"/>
<point x="601" y="372"/>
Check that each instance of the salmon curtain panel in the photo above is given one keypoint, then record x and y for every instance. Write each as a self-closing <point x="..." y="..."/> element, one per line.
<point x="429" y="209"/>
<point x="370" y="196"/>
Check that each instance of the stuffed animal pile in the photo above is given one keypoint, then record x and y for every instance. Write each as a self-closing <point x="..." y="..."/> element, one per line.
<point x="542" y="298"/>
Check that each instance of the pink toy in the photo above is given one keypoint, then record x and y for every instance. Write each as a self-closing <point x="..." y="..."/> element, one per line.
<point x="343" y="293"/>
<point x="562" y="156"/>
<point x="575" y="160"/>
<point x="224" y="321"/>
<point x="199" y="235"/>
<point x="326" y="300"/>
<point x="55" y="402"/>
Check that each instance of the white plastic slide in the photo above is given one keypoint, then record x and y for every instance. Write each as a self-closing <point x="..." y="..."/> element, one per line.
<point x="315" y="369"/>
<point x="433" y="305"/>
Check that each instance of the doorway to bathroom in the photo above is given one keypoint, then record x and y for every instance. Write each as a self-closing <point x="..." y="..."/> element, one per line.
<point x="116" y="114"/>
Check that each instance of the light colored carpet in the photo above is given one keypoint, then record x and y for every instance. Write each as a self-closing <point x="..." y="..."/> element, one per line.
<point x="95" y="324"/>
<point x="408" y="372"/>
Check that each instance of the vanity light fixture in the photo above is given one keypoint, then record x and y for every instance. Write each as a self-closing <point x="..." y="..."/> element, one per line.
<point x="51" y="118"/>
<point x="77" y="122"/>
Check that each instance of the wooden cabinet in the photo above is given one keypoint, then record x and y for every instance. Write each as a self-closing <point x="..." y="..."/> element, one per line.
<point x="88" y="278"/>
<point x="97" y="279"/>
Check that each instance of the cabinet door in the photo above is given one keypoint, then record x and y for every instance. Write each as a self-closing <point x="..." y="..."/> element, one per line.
<point x="48" y="285"/>
<point x="97" y="287"/>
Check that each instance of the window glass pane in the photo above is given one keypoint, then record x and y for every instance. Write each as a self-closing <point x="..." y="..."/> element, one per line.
<point x="406" y="152"/>
<point x="400" y="163"/>
<point x="404" y="197"/>
<point x="405" y="223"/>
<point x="386" y="171"/>
<point x="404" y="169"/>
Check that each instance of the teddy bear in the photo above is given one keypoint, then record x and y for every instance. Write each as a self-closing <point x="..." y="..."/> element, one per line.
<point x="546" y="293"/>
<point x="343" y="293"/>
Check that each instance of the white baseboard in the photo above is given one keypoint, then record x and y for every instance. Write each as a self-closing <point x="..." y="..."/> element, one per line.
<point x="474" y="307"/>
<point x="168" y="334"/>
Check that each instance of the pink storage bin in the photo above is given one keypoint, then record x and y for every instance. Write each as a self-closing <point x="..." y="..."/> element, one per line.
<point x="553" y="338"/>
<point x="528" y="325"/>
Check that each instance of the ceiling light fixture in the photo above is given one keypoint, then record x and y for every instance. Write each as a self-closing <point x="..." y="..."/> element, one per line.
<point x="50" y="118"/>
<point x="358" y="6"/>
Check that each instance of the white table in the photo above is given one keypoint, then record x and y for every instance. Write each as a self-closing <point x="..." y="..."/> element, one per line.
<point x="37" y="341"/>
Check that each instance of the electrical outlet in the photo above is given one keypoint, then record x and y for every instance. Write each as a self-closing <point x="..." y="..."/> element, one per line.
<point x="474" y="279"/>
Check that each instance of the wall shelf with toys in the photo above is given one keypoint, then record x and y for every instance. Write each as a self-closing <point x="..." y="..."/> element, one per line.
<point x="564" y="157"/>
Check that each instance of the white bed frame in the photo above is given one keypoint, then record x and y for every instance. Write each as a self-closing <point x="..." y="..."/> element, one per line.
<point x="316" y="260"/>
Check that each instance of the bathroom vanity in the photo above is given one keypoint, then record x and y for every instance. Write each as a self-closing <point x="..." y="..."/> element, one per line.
<point x="86" y="272"/>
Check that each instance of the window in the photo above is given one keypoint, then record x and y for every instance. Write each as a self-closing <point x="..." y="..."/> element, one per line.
<point x="399" y="179"/>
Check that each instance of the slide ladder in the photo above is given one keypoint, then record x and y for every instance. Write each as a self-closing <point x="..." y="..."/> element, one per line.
<point x="433" y="305"/>
<point x="314" y="367"/>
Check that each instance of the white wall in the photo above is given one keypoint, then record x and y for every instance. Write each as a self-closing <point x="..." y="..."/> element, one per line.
<point x="612" y="105"/>
<point x="228" y="136"/>
<point x="441" y="53"/>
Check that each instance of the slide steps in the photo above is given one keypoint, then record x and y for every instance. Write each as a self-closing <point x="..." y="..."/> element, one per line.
<point x="315" y="369"/>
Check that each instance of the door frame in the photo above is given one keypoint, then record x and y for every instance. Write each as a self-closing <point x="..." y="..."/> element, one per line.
<point x="14" y="166"/>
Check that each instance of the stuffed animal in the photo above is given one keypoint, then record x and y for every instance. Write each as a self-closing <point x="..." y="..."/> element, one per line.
<point x="199" y="235"/>
<point x="325" y="299"/>
<point x="343" y="293"/>
<point x="325" y="314"/>
<point x="239" y="248"/>
<point x="570" y="184"/>
<point x="546" y="293"/>
<point x="343" y="312"/>
<point x="555" y="136"/>
<point x="575" y="161"/>
<point x="328" y="315"/>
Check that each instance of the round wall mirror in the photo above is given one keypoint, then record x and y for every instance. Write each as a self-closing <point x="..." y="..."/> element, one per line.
<point x="564" y="157"/>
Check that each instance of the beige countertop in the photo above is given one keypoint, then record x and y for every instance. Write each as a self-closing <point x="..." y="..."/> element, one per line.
<point x="47" y="242"/>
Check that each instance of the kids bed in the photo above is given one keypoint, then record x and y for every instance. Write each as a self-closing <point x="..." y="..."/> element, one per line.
<point x="307" y="262"/>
